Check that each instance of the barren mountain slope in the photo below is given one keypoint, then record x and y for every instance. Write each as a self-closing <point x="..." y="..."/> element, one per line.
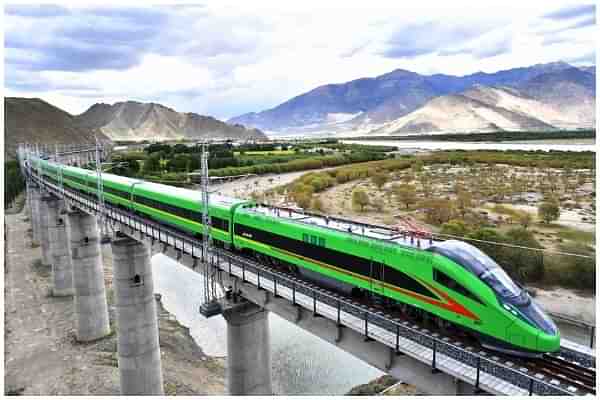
<point x="461" y="113"/>
<point x="572" y="91"/>
<point x="137" y="121"/>
<point x="33" y="120"/>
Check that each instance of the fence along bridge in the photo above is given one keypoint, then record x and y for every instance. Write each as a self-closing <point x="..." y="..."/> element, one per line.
<point x="434" y="363"/>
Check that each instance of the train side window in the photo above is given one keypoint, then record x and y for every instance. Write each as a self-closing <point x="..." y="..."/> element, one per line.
<point x="450" y="283"/>
<point x="305" y="237"/>
<point x="322" y="242"/>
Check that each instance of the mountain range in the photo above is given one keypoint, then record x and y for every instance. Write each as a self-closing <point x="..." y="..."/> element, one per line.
<point x="543" y="96"/>
<point x="132" y="120"/>
<point x="33" y="120"/>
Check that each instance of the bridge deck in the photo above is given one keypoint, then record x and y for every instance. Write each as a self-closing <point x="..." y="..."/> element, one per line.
<point x="467" y="373"/>
<point x="449" y="358"/>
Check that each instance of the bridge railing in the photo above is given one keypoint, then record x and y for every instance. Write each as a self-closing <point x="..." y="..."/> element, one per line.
<point x="400" y="330"/>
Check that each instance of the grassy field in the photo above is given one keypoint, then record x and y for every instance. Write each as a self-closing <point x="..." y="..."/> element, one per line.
<point x="265" y="153"/>
<point x="574" y="235"/>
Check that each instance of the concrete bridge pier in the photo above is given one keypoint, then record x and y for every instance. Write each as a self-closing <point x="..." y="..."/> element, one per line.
<point x="90" y="295"/>
<point x="137" y="326"/>
<point x="28" y="201"/>
<point x="60" y="250"/>
<point x="35" y="216"/>
<point x="248" y="350"/>
<point x="44" y="233"/>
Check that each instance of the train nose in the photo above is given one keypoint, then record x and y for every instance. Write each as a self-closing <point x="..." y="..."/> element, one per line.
<point x="548" y="343"/>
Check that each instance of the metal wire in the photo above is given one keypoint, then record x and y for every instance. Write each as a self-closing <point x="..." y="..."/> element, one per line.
<point x="562" y="253"/>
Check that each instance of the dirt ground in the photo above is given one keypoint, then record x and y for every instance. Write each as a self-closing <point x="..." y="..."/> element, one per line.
<point x="567" y="303"/>
<point x="243" y="188"/>
<point x="42" y="356"/>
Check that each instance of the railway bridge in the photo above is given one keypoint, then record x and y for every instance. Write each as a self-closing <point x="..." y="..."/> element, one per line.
<point x="64" y="223"/>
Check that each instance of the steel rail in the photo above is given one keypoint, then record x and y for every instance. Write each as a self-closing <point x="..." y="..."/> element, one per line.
<point x="183" y="243"/>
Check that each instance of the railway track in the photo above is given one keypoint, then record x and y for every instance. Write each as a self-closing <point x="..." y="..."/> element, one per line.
<point x="550" y="368"/>
<point x="557" y="371"/>
<point x="577" y="375"/>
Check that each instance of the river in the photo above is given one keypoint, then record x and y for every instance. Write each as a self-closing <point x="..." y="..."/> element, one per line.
<point x="302" y="364"/>
<point x="544" y="145"/>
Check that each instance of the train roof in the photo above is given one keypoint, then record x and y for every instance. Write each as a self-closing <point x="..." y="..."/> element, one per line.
<point x="171" y="191"/>
<point x="188" y="194"/>
<point x="346" y="226"/>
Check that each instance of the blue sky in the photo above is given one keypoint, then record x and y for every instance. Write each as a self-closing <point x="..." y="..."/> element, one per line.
<point x="224" y="58"/>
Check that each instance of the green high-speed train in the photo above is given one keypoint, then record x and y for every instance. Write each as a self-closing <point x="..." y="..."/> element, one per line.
<point x="450" y="280"/>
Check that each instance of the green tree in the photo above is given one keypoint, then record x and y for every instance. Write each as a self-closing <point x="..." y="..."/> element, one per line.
<point x="380" y="179"/>
<point x="548" y="211"/>
<point x="360" y="199"/>
<point x="406" y="194"/>
<point x="152" y="163"/>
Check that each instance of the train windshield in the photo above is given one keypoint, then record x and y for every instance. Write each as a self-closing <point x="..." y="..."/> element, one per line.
<point x="480" y="264"/>
<point x="498" y="280"/>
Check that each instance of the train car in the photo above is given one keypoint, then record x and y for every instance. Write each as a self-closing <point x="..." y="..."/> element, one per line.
<point x="177" y="207"/>
<point x="451" y="280"/>
<point x="182" y="208"/>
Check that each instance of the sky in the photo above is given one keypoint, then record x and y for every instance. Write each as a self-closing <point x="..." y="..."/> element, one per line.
<point x="225" y="58"/>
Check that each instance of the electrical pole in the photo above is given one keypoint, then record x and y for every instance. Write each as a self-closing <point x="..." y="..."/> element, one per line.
<point x="100" y="189"/>
<point x="211" y="306"/>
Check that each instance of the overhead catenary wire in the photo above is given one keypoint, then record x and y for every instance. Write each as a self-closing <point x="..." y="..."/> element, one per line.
<point x="562" y="253"/>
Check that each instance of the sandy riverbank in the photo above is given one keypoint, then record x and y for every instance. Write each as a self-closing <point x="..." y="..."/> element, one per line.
<point x="243" y="188"/>
<point x="42" y="356"/>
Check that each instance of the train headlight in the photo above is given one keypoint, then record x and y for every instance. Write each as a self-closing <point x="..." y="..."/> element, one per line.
<point x="510" y="309"/>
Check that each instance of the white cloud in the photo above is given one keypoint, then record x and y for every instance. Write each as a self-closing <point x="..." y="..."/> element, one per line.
<point x="229" y="58"/>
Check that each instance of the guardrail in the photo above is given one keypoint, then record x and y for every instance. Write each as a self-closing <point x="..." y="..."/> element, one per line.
<point x="591" y="329"/>
<point x="154" y="231"/>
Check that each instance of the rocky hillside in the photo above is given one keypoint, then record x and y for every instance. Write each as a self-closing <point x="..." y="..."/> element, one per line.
<point x="133" y="120"/>
<point x="478" y="110"/>
<point x="36" y="121"/>
<point x="366" y="104"/>
<point x="559" y="99"/>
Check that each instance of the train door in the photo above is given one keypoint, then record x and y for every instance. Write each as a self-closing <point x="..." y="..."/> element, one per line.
<point x="377" y="276"/>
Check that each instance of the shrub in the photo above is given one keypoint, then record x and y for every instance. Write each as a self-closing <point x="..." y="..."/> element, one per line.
<point x="571" y="271"/>
<point x="360" y="199"/>
<point x="548" y="211"/>
<point x="454" y="227"/>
